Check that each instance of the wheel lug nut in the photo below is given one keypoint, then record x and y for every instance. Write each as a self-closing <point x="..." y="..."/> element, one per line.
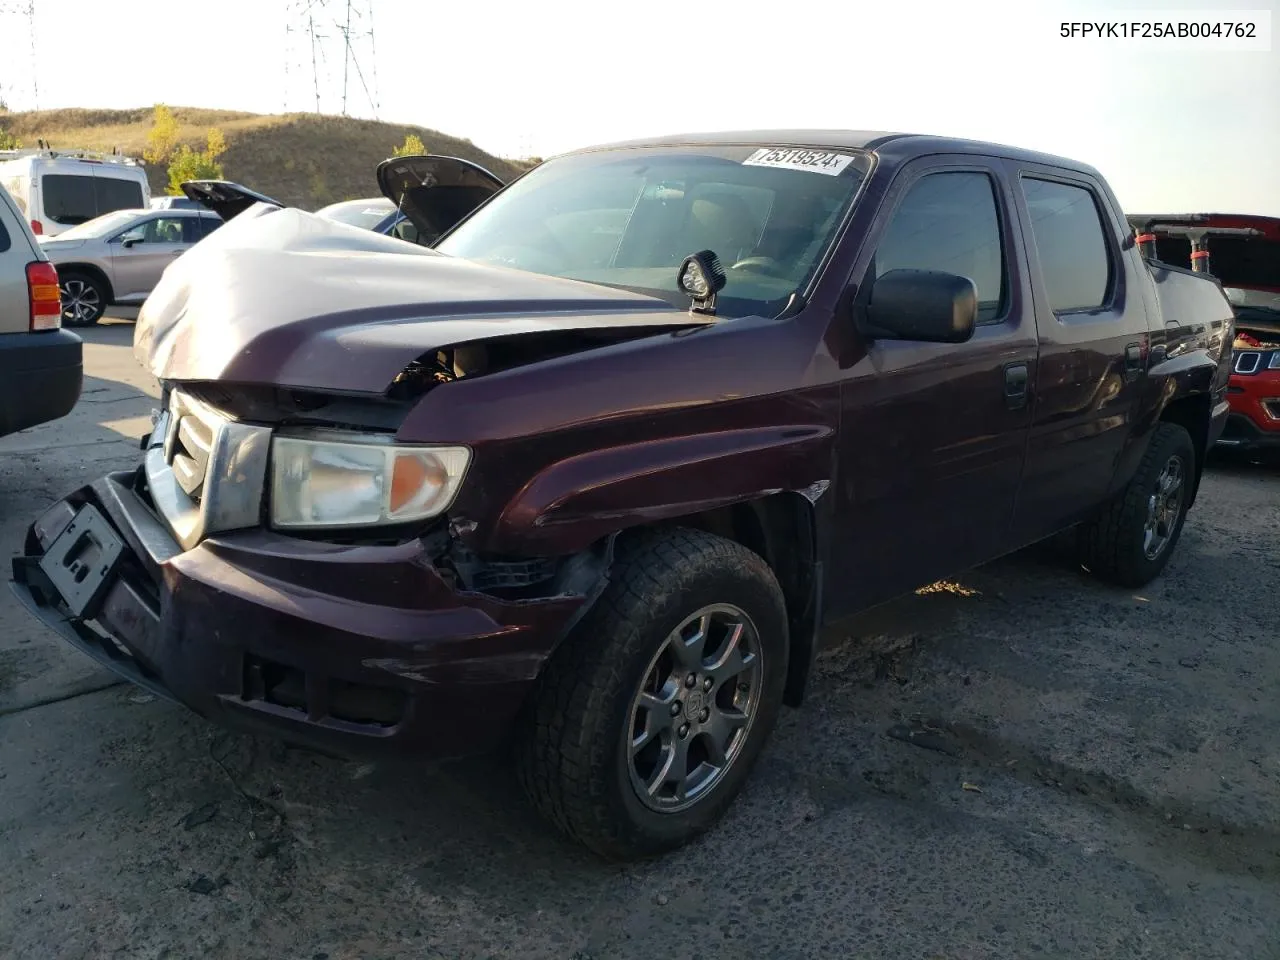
<point x="675" y="709"/>
<point x="684" y="730"/>
<point x="702" y="717"/>
<point x="691" y="680"/>
<point x="706" y="684"/>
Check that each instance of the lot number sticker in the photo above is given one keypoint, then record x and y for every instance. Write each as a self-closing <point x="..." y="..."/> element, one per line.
<point x="795" y="158"/>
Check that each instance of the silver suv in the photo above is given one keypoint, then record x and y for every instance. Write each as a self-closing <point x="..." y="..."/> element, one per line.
<point x="119" y="257"/>
<point x="40" y="363"/>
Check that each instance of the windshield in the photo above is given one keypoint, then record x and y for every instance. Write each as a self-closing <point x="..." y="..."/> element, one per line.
<point x="100" y="226"/>
<point x="365" y="214"/>
<point x="629" y="217"/>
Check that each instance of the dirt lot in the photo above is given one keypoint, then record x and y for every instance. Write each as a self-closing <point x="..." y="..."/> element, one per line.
<point x="1025" y="765"/>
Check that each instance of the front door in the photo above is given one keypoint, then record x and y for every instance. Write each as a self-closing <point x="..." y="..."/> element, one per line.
<point x="141" y="253"/>
<point x="933" y="436"/>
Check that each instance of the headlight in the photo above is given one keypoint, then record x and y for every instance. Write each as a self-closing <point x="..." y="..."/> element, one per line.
<point x="330" y="483"/>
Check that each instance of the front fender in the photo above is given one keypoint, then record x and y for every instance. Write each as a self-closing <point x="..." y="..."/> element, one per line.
<point x="574" y="502"/>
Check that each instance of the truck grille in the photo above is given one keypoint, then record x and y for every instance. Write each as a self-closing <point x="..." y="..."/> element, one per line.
<point x="192" y="447"/>
<point x="189" y="443"/>
<point x="205" y="472"/>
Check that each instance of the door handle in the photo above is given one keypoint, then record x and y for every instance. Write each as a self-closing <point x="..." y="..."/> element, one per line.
<point x="1015" y="385"/>
<point x="1133" y="360"/>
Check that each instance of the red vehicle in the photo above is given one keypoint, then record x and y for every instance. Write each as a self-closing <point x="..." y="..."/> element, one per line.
<point x="1243" y="252"/>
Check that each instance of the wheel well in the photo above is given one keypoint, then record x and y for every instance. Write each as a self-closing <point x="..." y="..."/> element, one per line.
<point x="1192" y="413"/>
<point x="89" y="270"/>
<point x="780" y="528"/>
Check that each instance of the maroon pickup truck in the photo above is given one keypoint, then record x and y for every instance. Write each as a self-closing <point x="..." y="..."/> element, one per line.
<point x="587" y="474"/>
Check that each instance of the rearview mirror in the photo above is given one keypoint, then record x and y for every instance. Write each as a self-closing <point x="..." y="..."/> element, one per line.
<point x="925" y="305"/>
<point x="128" y="242"/>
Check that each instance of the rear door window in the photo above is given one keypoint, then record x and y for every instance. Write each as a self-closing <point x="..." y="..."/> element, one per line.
<point x="71" y="199"/>
<point x="114" y="194"/>
<point x="68" y="198"/>
<point x="1075" y="262"/>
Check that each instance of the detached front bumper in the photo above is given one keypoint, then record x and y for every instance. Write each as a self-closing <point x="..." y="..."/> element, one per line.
<point x="354" y="650"/>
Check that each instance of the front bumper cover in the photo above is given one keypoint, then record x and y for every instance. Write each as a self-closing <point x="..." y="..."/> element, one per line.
<point x="354" y="650"/>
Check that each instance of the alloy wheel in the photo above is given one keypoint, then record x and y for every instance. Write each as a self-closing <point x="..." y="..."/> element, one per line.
<point x="1164" y="507"/>
<point x="690" y="718"/>
<point x="81" y="302"/>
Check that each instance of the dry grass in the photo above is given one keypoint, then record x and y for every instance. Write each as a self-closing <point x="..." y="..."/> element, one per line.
<point x="302" y="159"/>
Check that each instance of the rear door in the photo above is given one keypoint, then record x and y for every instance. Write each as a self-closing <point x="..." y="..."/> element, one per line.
<point x="1094" y="346"/>
<point x="140" y="254"/>
<point x="933" y="436"/>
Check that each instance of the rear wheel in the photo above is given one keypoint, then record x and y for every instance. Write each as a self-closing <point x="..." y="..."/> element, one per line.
<point x="648" y="719"/>
<point x="84" y="300"/>
<point x="1132" y="540"/>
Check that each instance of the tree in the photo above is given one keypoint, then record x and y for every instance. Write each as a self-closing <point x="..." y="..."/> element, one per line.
<point x="8" y="141"/>
<point x="188" y="164"/>
<point x="162" y="138"/>
<point x="412" y="147"/>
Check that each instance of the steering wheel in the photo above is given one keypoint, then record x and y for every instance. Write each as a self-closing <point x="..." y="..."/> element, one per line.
<point x="759" y="265"/>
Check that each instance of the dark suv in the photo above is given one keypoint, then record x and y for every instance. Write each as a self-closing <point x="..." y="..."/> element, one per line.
<point x="591" y="472"/>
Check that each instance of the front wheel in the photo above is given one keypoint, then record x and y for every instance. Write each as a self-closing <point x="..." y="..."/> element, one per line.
<point x="84" y="300"/>
<point x="648" y="719"/>
<point x="1132" y="540"/>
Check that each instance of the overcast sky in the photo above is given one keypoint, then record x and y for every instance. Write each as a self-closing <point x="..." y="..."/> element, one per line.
<point x="1190" y="129"/>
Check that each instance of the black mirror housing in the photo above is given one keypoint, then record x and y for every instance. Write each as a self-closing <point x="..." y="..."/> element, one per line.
<point x="922" y="305"/>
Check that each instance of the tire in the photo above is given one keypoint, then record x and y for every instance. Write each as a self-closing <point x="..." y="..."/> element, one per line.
<point x="574" y="750"/>
<point x="84" y="299"/>
<point x="1131" y="541"/>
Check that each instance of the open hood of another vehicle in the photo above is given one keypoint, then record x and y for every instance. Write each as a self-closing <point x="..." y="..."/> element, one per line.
<point x="435" y="192"/>
<point x="285" y="298"/>
<point x="225" y="198"/>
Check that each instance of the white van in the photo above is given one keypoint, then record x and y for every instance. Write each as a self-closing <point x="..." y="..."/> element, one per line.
<point x="56" y="190"/>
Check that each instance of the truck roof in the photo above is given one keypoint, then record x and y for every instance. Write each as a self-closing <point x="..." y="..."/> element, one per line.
<point x="898" y="146"/>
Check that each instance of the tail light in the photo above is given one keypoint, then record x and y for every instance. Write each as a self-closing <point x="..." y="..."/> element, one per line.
<point x="37" y="228"/>
<point x="42" y="290"/>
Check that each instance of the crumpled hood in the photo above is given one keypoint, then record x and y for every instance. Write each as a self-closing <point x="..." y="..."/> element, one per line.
<point x="285" y="298"/>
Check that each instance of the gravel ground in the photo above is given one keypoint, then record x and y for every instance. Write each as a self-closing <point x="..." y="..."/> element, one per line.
<point x="1024" y="764"/>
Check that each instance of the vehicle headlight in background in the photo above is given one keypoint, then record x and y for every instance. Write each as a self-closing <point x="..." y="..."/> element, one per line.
<point x="332" y="483"/>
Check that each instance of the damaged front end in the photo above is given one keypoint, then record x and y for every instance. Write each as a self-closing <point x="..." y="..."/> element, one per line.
<point x="395" y="639"/>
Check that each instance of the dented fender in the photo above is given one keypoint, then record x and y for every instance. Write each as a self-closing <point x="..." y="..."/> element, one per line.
<point x="573" y="502"/>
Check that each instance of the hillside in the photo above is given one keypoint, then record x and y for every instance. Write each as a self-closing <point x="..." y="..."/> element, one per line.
<point x="302" y="159"/>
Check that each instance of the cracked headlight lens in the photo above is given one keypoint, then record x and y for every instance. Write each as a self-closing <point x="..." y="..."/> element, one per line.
<point x="361" y="483"/>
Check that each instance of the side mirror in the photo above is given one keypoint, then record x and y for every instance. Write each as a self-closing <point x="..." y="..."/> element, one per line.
<point x="129" y="242"/>
<point x="924" y="305"/>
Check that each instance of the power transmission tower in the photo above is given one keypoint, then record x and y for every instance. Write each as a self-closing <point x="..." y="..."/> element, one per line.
<point x="319" y="33"/>
<point x="19" y="83"/>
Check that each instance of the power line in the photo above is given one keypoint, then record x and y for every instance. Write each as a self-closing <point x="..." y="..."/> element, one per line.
<point x="314" y="30"/>
<point x="19" y="10"/>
